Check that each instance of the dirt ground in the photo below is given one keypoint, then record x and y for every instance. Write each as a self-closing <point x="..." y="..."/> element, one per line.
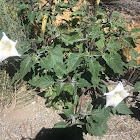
<point x="35" y="122"/>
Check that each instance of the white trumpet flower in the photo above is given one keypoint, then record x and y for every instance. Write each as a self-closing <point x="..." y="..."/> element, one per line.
<point x="7" y="48"/>
<point x="115" y="96"/>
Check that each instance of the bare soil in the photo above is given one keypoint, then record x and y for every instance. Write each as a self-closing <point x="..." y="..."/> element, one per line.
<point x="35" y="122"/>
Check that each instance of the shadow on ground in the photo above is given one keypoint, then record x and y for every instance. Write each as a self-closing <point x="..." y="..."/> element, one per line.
<point x="71" y="133"/>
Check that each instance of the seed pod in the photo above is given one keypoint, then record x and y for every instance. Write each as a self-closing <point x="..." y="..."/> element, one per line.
<point x="44" y="22"/>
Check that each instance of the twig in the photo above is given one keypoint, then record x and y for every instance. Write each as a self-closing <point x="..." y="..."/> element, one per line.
<point x="130" y="76"/>
<point x="96" y="94"/>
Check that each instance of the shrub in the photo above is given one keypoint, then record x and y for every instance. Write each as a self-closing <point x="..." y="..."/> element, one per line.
<point x="77" y="57"/>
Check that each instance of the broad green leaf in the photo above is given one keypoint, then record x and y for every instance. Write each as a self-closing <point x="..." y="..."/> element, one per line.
<point x="69" y="89"/>
<point x="89" y="129"/>
<point x="44" y="63"/>
<point x="68" y="112"/>
<point x="124" y="42"/>
<point x="113" y="45"/>
<point x="60" y="70"/>
<point x="89" y="119"/>
<point x="114" y="61"/>
<point x="122" y="108"/>
<point x="119" y="25"/>
<point x="73" y="61"/>
<point x="99" y="129"/>
<point x="94" y="128"/>
<point x="60" y="125"/>
<point x="136" y="87"/>
<point x="59" y="88"/>
<point x="53" y="59"/>
<point x="94" y="31"/>
<point x="23" y="6"/>
<point x="31" y="16"/>
<point x="132" y="63"/>
<point x="44" y="81"/>
<point x="83" y="83"/>
<point x="39" y="16"/>
<point x="94" y="68"/>
<point x="100" y="115"/>
<point x="25" y="66"/>
<point x="73" y="39"/>
<point x="134" y="53"/>
<point x="129" y="42"/>
<point x="49" y="93"/>
<point x="100" y="43"/>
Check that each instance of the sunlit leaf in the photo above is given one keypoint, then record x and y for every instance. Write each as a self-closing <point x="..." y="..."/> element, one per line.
<point x="60" y="125"/>
<point x="114" y="61"/>
<point x="73" y="61"/>
<point x="43" y="81"/>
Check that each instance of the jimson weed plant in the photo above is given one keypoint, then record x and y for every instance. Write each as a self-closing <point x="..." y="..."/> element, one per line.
<point x="77" y="57"/>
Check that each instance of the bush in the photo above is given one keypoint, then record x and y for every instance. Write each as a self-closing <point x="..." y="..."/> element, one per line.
<point x="80" y="55"/>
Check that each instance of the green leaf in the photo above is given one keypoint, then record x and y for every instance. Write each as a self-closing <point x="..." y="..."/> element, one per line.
<point x="23" y="6"/>
<point x="126" y="43"/>
<point x="94" y="68"/>
<point x="89" y="129"/>
<point x="94" y="31"/>
<point x="132" y="63"/>
<point x="69" y="89"/>
<point x="114" y="61"/>
<point x="53" y="59"/>
<point x="25" y="66"/>
<point x="39" y="16"/>
<point x="99" y="129"/>
<point x="60" y="88"/>
<point x="68" y="112"/>
<point x="129" y="42"/>
<point x="136" y="87"/>
<point x="49" y="93"/>
<point x="44" y="81"/>
<point x="60" y="125"/>
<point x="31" y="16"/>
<point x="113" y="45"/>
<point x="83" y="83"/>
<point x="43" y="63"/>
<point x="100" y="43"/>
<point x="60" y="70"/>
<point x="122" y="108"/>
<point x="73" y="61"/>
<point x="100" y="115"/>
<point x="134" y="53"/>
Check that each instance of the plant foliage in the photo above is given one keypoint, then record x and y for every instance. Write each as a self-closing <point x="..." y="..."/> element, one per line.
<point x="70" y="59"/>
